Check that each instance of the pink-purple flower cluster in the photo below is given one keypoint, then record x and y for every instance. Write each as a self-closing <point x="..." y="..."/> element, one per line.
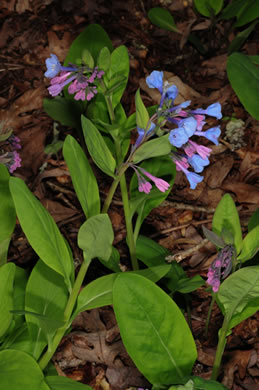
<point x="81" y="79"/>
<point x="188" y="123"/>
<point x="144" y="185"/>
<point x="220" y="267"/>
<point x="11" y="158"/>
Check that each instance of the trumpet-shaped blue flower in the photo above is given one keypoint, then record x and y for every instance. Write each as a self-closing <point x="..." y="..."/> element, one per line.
<point x="53" y="66"/>
<point x="213" y="110"/>
<point x="211" y="134"/>
<point x="198" y="163"/>
<point x="155" y="80"/>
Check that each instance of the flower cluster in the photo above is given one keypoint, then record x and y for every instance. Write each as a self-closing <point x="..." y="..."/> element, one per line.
<point x="221" y="267"/>
<point x="81" y="79"/>
<point x="187" y="123"/>
<point x="10" y="157"/>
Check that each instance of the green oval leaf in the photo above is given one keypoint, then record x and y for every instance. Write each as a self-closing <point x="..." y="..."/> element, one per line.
<point x="65" y="383"/>
<point x="162" y="18"/>
<point x="82" y="176"/>
<point x="249" y="12"/>
<point x="238" y="296"/>
<point x="153" y="330"/>
<point x="95" y="237"/>
<point x="99" y="292"/>
<point x="93" y="38"/>
<point x="241" y="73"/>
<point x="208" y="7"/>
<point x="46" y="294"/>
<point x="41" y="230"/>
<point x="153" y="148"/>
<point x="97" y="147"/>
<point x="250" y="245"/>
<point x="226" y="219"/>
<point x="19" y="371"/>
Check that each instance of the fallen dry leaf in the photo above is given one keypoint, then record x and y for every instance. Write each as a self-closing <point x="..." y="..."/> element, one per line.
<point x="245" y="193"/>
<point x="238" y="360"/>
<point x="57" y="210"/>
<point x="215" y="173"/>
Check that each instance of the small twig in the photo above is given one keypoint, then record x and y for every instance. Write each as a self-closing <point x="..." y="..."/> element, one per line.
<point x="182" y="255"/>
<point x="169" y="230"/>
<point x="184" y="206"/>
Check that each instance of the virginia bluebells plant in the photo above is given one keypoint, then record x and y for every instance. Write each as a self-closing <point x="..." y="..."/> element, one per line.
<point x="221" y="267"/>
<point x="81" y="79"/>
<point x="187" y="123"/>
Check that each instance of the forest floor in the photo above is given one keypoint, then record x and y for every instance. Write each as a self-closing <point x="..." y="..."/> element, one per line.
<point x="30" y="31"/>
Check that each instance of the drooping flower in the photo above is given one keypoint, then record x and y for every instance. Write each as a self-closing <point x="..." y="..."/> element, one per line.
<point x="54" y="67"/>
<point x="192" y="147"/>
<point x="220" y="267"/>
<point x="198" y="163"/>
<point x="155" y="80"/>
<point x="181" y="165"/>
<point x="213" y="110"/>
<point x="144" y="185"/>
<point x="161" y="184"/>
<point x="211" y="134"/>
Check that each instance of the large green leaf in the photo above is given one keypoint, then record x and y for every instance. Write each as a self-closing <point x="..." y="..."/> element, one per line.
<point x="154" y="148"/>
<point x="238" y="296"/>
<point x="46" y="294"/>
<point x="250" y="245"/>
<point x="153" y="330"/>
<point x="82" y="176"/>
<point x="207" y="7"/>
<point x="92" y="38"/>
<point x="65" y="383"/>
<point x="99" y="292"/>
<point x="41" y="230"/>
<point x="7" y="214"/>
<point x="65" y="111"/>
<point x="7" y="273"/>
<point x="97" y="147"/>
<point x="226" y="218"/>
<point x="243" y="73"/>
<point x="19" y="371"/>
<point x="249" y="12"/>
<point x="95" y="237"/>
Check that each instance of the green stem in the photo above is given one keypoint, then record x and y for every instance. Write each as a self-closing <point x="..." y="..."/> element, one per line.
<point x="209" y="315"/>
<point x="43" y="362"/>
<point x="220" y="348"/>
<point x="130" y="235"/>
<point x="112" y="189"/>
